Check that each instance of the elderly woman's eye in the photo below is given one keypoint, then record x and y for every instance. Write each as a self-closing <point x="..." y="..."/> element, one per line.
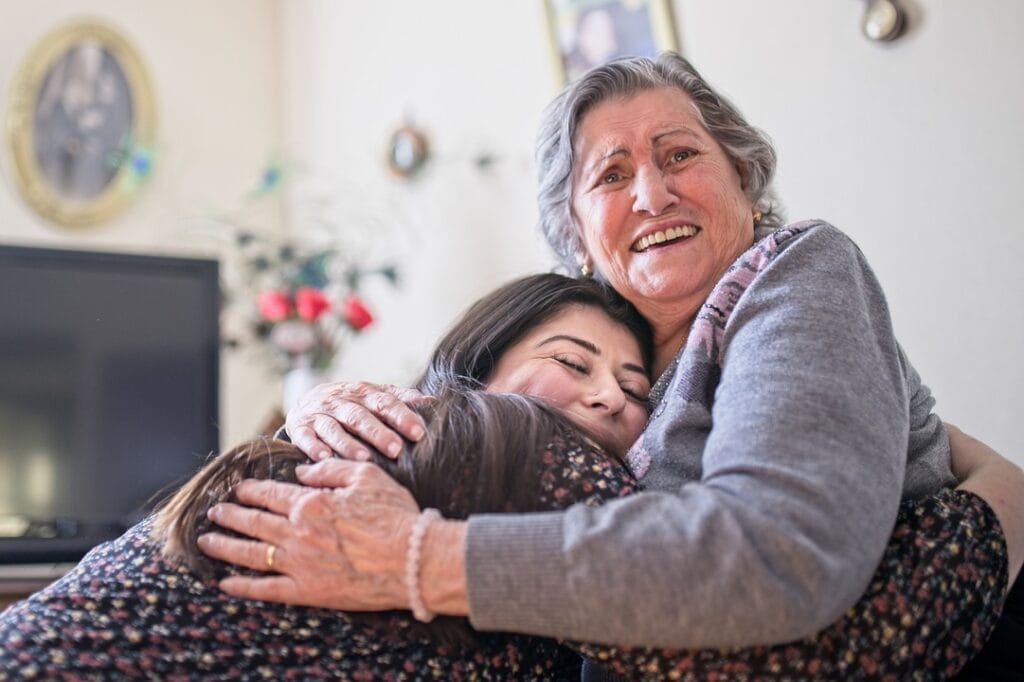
<point x="610" y="177"/>
<point x="681" y="155"/>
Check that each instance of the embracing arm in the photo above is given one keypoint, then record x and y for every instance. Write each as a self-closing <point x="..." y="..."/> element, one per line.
<point x="696" y="566"/>
<point x="929" y="608"/>
<point x="1000" y="483"/>
<point x="800" y="480"/>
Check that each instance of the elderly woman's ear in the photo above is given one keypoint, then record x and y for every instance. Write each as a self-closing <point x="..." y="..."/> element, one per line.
<point x="743" y="170"/>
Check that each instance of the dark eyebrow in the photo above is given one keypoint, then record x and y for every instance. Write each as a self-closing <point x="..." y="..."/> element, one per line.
<point x="578" y="341"/>
<point x="592" y="348"/>
<point x="635" y="368"/>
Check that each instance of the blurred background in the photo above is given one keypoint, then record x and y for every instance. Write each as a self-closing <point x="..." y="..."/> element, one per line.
<point x="913" y="147"/>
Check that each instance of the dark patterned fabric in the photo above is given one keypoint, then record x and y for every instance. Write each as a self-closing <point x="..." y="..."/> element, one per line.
<point x="912" y="623"/>
<point x="124" y="612"/>
<point x="1002" y="659"/>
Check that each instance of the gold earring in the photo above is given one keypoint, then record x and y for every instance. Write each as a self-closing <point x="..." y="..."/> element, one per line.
<point x="757" y="218"/>
<point x="584" y="269"/>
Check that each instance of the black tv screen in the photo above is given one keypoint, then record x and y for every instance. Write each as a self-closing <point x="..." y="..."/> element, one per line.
<point x="108" y="392"/>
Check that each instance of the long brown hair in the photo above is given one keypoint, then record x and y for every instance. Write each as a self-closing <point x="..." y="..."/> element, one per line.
<point x="483" y="453"/>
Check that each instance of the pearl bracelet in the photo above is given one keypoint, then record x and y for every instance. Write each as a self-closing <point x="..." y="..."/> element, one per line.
<point x="412" y="564"/>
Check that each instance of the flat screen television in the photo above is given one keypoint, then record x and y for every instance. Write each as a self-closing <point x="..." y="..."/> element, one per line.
<point x="109" y="369"/>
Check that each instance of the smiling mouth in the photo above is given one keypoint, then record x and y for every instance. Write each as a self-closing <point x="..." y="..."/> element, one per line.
<point x="672" y="234"/>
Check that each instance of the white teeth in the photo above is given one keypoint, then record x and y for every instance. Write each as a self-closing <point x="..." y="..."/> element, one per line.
<point x="660" y="237"/>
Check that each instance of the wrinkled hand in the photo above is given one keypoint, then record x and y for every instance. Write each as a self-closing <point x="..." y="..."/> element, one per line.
<point x="342" y="547"/>
<point x="344" y="417"/>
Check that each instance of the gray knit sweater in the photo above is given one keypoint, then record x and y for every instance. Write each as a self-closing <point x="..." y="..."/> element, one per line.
<point x="781" y="441"/>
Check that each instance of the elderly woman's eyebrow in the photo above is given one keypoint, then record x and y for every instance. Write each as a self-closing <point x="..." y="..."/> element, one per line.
<point x="675" y="130"/>
<point x="601" y="160"/>
<point x="622" y="151"/>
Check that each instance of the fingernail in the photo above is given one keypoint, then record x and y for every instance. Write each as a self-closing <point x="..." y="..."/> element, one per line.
<point x="213" y="513"/>
<point x="321" y="455"/>
<point x="302" y="469"/>
<point x="203" y="541"/>
<point x="394" y="449"/>
<point x="362" y="455"/>
<point x="417" y="432"/>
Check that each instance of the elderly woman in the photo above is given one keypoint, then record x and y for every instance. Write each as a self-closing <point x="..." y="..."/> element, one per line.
<point x="787" y="423"/>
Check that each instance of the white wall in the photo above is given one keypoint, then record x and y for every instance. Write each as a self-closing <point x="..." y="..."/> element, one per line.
<point x="913" y="148"/>
<point x="474" y="75"/>
<point x="214" y="68"/>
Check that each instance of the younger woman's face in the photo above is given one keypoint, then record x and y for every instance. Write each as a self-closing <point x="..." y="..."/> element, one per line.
<point x="586" y="364"/>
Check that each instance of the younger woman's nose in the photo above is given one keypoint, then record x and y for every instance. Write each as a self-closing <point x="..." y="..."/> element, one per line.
<point x="607" y="395"/>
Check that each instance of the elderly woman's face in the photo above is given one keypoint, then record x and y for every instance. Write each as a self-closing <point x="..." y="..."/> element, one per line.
<point x="658" y="203"/>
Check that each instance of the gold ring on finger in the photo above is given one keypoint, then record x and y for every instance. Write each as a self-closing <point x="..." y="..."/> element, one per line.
<point x="271" y="551"/>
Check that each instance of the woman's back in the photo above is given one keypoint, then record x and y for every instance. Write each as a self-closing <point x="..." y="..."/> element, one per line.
<point x="148" y="603"/>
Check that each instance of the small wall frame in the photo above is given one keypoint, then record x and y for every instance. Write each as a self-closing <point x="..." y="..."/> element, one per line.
<point x="80" y="109"/>
<point x="586" y="33"/>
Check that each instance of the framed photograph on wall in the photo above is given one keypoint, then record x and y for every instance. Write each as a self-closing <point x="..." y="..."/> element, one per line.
<point x="586" y="33"/>
<point x="80" y="111"/>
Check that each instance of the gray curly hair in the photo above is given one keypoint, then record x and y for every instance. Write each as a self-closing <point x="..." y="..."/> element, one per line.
<point x="747" y="147"/>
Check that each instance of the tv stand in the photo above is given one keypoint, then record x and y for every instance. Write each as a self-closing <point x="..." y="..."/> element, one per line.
<point x="17" y="581"/>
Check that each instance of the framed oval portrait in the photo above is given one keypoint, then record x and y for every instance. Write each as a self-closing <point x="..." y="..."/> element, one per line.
<point x="79" y="120"/>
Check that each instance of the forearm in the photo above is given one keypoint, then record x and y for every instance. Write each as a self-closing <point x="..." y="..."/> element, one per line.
<point x="923" y="600"/>
<point x="1000" y="483"/>
<point x="800" y="449"/>
<point x="673" y="570"/>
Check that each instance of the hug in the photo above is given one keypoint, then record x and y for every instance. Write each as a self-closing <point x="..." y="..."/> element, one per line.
<point x="795" y="508"/>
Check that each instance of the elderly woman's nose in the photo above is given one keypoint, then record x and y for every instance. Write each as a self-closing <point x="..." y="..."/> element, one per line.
<point x="652" y="191"/>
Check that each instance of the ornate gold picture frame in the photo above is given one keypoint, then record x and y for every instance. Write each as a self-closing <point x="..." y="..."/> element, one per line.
<point x="80" y="115"/>
<point x="586" y="33"/>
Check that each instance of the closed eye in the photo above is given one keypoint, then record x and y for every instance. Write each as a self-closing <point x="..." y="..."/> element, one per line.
<point x="634" y="394"/>
<point x="572" y="364"/>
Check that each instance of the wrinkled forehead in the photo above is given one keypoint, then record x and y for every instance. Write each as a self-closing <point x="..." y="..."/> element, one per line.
<point x="687" y="112"/>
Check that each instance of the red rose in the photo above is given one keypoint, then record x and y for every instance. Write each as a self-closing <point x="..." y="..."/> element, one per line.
<point x="274" y="305"/>
<point x="310" y="303"/>
<point x="356" y="313"/>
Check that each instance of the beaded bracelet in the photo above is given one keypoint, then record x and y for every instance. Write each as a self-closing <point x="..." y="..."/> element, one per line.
<point x="412" y="565"/>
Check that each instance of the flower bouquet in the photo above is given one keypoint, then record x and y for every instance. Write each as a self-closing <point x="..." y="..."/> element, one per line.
<point x="303" y="303"/>
<point x="299" y="299"/>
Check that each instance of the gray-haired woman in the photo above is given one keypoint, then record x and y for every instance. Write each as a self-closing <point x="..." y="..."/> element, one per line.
<point x="787" y="423"/>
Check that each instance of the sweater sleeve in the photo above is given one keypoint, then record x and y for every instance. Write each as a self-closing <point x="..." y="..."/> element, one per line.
<point x="801" y="480"/>
<point x="930" y="607"/>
